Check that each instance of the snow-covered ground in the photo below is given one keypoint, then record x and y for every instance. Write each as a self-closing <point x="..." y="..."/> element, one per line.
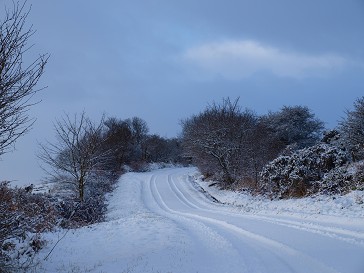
<point x="161" y="221"/>
<point x="349" y="206"/>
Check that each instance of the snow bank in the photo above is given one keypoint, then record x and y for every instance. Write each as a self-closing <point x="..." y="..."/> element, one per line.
<point x="350" y="206"/>
<point x="130" y="239"/>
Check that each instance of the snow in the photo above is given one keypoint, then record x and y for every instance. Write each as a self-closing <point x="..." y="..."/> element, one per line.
<point x="349" y="207"/>
<point x="162" y="221"/>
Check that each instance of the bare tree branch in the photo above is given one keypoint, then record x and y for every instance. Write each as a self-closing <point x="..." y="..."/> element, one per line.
<point x="78" y="153"/>
<point x="17" y="81"/>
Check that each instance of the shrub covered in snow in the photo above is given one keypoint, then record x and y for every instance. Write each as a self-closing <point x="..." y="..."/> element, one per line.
<point x="76" y="213"/>
<point x="343" y="179"/>
<point x="23" y="217"/>
<point x="301" y="173"/>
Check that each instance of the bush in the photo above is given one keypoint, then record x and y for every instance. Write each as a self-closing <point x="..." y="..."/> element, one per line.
<point x="300" y="174"/>
<point x="23" y="217"/>
<point x="343" y="179"/>
<point x="76" y="213"/>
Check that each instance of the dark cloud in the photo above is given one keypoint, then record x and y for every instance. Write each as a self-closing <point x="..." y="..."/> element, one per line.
<point x="127" y="58"/>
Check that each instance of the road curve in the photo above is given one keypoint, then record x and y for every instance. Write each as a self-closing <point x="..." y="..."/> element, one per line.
<point x="225" y="240"/>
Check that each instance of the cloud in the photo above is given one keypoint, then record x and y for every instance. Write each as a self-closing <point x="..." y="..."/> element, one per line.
<point x="241" y="59"/>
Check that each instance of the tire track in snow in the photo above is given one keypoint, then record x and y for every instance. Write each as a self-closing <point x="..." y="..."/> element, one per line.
<point x="180" y="194"/>
<point x="280" y="249"/>
<point x="349" y="236"/>
<point x="206" y="236"/>
<point x="257" y="251"/>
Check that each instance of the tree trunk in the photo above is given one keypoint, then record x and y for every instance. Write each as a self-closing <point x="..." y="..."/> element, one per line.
<point x="229" y="179"/>
<point x="81" y="189"/>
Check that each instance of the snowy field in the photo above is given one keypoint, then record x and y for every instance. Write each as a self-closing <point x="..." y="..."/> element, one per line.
<point x="162" y="221"/>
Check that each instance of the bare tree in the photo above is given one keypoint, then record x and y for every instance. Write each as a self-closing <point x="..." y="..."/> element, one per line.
<point x="263" y="147"/>
<point x="126" y="138"/>
<point x="78" y="154"/>
<point x="160" y="149"/>
<point x="219" y="140"/>
<point x="17" y="81"/>
<point x="230" y="144"/>
<point x="118" y="140"/>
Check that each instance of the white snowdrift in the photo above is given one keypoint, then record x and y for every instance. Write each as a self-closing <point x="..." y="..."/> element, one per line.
<point x="350" y="206"/>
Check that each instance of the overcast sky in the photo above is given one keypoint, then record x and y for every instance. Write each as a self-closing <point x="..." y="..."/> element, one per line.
<point x="164" y="60"/>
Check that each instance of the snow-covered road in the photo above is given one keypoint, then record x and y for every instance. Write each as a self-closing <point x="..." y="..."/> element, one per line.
<point x="161" y="222"/>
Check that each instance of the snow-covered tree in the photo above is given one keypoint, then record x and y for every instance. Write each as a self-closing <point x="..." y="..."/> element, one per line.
<point x="352" y="129"/>
<point x="295" y="126"/>
<point x="221" y="141"/>
<point x="212" y="136"/>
